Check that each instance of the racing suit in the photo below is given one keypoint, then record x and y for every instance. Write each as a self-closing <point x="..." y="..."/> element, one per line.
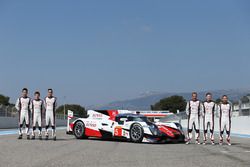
<point x="209" y="108"/>
<point x="37" y="108"/>
<point x="225" y="114"/>
<point x="23" y="105"/>
<point x="193" y="110"/>
<point x="50" y="106"/>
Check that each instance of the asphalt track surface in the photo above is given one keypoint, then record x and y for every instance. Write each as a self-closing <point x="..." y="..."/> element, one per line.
<point x="68" y="151"/>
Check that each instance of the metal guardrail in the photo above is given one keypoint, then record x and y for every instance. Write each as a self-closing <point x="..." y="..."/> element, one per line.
<point x="7" y="111"/>
<point x="183" y="114"/>
<point x="10" y="111"/>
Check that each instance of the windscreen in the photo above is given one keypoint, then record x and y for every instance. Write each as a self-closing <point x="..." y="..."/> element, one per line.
<point x="170" y="118"/>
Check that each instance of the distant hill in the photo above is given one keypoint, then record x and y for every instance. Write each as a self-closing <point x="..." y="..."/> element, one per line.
<point x="144" y="102"/>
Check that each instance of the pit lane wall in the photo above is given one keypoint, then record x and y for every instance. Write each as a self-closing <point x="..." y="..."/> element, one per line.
<point x="240" y="125"/>
<point x="12" y="122"/>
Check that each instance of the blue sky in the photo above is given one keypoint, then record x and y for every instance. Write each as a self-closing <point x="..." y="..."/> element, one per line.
<point x="98" y="51"/>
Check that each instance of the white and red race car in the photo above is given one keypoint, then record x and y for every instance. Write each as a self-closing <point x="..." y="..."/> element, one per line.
<point x="122" y="124"/>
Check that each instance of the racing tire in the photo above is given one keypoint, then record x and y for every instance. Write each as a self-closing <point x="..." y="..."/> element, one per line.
<point x="136" y="133"/>
<point x="182" y="139"/>
<point x="79" y="130"/>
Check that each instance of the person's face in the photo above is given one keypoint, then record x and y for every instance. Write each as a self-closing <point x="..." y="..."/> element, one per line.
<point x="194" y="96"/>
<point x="224" y="99"/>
<point x="37" y="96"/>
<point x="24" y="93"/>
<point x="209" y="97"/>
<point x="50" y="93"/>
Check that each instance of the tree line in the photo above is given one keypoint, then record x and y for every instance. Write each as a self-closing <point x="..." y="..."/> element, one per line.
<point x="78" y="109"/>
<point x="4" y="100"/>
<point x="173" y="103"/>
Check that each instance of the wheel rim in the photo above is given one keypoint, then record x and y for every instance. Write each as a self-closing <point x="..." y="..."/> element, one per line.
<point x="136" y="132"/>
<point x="79" y="129"/>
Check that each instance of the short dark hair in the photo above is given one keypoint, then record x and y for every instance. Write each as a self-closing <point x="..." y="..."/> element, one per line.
<point x="208" y="94"/>
<point x="37" y="93"/>
<point x="50" y="89"/>
<point x="225" y="96"/>
<point x="25" y="89"/>
<point x="194" y="93"/>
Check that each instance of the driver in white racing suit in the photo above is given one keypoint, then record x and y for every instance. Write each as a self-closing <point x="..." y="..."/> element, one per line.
<point x="50" y="106"/>
<point x="23" y="106"/>
<point x="194" y="110"/>
<point x="37" y="110"/>
<point x="225" y="113"/>
<point x="209" y="109"/>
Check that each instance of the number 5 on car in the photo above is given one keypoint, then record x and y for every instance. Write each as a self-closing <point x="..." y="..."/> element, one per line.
<point x="118" y="131"/>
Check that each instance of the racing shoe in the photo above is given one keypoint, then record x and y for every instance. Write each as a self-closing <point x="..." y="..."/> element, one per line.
<point x="205" y="142"/>
<point x="33" y="137"/>
<point x="221" y="142"/>
<point x="54" y="138"/>
<point x="47" y="137"/>
<point x="28" y="137"/>
<point x="188" y="141"/>
<point x="212" y="142"/>
<point x="197" y="142"/>
<point x="20" y="137"/>
<point x="228" y="142"/>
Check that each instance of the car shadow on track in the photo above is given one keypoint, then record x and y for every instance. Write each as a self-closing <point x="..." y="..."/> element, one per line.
<point x="126" y="141"/>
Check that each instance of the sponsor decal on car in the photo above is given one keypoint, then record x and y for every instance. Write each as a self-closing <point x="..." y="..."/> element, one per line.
<point x="90" y="124"/>
<point x="97" y="116"/>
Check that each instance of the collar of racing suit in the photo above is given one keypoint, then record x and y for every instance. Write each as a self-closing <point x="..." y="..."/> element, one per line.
<point x="195" y="100"/>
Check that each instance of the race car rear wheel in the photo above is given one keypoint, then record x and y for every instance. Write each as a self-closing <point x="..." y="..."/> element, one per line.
<point x="136" y="133"/>
<point x="79" y="130"/>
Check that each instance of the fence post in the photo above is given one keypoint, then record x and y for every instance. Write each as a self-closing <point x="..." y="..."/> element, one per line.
<point x="6" y="111"/>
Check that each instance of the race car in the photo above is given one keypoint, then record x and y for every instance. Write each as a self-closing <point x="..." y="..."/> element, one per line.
<point x="121" y="124"/>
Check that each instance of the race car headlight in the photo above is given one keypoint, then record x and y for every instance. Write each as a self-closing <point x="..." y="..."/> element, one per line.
<point x="154" y="130"/>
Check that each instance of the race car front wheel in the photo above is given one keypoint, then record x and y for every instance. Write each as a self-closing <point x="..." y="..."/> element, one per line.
<point x="136" y="133"/>
<point x="79" y="130"/>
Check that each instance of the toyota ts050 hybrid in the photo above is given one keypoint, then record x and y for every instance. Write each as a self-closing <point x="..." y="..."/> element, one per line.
<point x="123" y="124"/>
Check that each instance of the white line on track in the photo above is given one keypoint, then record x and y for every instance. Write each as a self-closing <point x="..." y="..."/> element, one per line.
<point x="15" y="131"/>
<point x="224" y="152"/>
